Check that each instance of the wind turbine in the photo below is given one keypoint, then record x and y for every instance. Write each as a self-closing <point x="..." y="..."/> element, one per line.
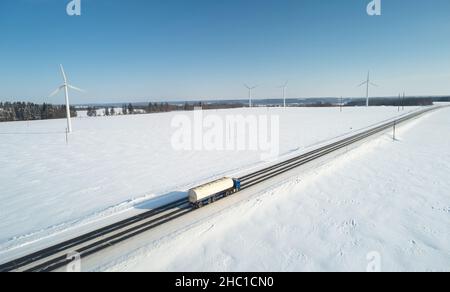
<point x="284" y="87"/>
<point x="367" y="83"/>
<point x="66" y="87"/>
<point x="250" y="90"/>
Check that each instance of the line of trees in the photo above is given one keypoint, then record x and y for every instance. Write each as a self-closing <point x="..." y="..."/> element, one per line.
<point x="129" y="109"/>
<point x="166" y="107"/>
<point x="27" y="111"/>
<point x="408" y="101"/>
<point x="442" y="99"/>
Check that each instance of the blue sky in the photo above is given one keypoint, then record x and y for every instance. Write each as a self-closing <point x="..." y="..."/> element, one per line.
<point x="142" y="50"/>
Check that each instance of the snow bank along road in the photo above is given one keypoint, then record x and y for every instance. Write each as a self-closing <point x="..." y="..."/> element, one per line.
<point x="56" y="256"/>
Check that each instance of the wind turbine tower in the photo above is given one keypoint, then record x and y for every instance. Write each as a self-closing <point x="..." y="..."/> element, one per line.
<point x="368" y="83"/>
<point x="283" y="88"/>
<point x="250" y="91"/>
<point x="66" y="87"/>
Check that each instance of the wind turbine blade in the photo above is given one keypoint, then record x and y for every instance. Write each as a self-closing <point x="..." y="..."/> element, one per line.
<point x="250" y="87"/>
<point x="365" y="82"/>
<point x="373" y="84"/>
<point x="56" y="91"/>
<point x="63" y="73"/>
<point x="75" y="88"/>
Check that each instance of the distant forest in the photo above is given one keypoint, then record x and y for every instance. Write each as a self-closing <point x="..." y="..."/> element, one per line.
<point x="408" y="101"/>
<point x="166" y="107"/>
<point x="22" y="111"/>
<point x="131" y="109"/>
<point x="442" y="99"/>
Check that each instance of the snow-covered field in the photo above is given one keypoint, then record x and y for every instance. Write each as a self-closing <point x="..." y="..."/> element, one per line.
<point x="383" y="206"/>
<point x="113" y="164"/>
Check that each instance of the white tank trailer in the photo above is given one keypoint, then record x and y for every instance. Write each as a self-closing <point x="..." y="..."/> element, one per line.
<point x="213" y="191"/>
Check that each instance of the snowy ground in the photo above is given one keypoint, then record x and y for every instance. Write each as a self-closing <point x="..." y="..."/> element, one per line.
<point x="386" y="200"/>
<point x="112" y="164"/>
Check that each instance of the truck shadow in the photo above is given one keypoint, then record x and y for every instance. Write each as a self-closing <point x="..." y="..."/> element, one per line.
<point x="161" y="200"/>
